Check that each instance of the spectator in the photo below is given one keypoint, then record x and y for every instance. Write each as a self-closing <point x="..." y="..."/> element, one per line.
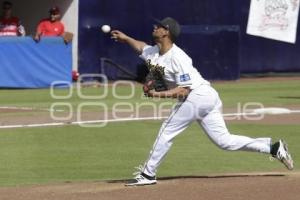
<point x="10" y="25"/>
<point x="51" y="26"/>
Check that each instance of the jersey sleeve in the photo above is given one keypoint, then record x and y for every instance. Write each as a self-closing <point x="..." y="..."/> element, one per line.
<point x="62" y="30"/>
<point x="39" y="28"/>
<point x="182" y="70"/>
<point x="17" y="21"/>
<point x="147" y="50"/>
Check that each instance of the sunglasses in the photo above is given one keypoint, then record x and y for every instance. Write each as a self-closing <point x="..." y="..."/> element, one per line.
<point x="156" y="26"/>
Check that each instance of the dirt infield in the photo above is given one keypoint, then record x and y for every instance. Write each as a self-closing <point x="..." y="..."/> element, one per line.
<point x="29" y="117"/>
<point x="250" y="187"/>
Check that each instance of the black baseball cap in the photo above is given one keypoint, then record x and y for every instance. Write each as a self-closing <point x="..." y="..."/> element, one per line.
<point x="54" y="10"/>
<point x="7" y="5"/>
<point x="170" y="24"/>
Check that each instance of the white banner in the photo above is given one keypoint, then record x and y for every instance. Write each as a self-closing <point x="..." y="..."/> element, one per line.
<point x="274" y="19"/>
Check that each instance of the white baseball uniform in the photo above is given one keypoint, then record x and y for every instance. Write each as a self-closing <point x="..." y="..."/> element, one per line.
<point x="202" y="104"/>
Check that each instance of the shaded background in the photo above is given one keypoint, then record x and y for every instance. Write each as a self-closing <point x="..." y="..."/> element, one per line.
<point x="213" y="34"/>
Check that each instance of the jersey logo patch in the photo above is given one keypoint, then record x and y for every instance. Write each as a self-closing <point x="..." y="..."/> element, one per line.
<point x="184" y="77"/>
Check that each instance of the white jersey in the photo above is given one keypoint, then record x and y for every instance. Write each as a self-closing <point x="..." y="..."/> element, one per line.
<point x="178" y="67"/>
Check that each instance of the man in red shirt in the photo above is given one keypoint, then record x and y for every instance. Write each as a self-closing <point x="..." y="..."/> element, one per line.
<point x="10" y="25"/>
<point x="51" y="26"/>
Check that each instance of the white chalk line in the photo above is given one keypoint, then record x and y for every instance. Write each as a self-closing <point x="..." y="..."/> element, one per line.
<point x="29" y="108"/>
<point x="270" y="111"/>
<point x="81" y="122"/>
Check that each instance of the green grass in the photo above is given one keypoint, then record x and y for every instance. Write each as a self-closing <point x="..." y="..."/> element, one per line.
<point x="273" y="93"/>
<point x="71" y="153"/>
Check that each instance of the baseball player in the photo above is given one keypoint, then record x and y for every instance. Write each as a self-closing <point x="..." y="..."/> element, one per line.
<point x="197" y="101"/>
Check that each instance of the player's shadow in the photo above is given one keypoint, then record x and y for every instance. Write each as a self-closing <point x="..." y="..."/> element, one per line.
<point x="237" y="175"/>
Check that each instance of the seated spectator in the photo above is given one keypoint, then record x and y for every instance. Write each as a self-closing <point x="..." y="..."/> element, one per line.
<point x="51" y="26"/>
<point x="10" y="25"/>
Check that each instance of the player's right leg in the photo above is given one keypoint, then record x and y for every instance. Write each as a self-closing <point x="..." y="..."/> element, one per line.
<point x="142" y="179"/>
<point x="181" y="116"/>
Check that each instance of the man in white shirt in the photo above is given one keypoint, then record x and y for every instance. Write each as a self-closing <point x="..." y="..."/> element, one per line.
<point x="197" y="101"/>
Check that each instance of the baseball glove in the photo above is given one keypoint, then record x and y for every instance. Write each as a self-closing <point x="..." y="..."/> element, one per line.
<point x="154" y="79"/>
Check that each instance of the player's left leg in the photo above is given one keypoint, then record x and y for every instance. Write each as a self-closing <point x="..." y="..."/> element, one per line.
<point x="215" y="127"/>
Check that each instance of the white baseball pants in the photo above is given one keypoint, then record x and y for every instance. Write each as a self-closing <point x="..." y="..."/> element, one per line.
<point x="203" y="105"/>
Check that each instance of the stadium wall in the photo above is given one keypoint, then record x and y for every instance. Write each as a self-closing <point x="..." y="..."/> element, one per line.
<point x="214" y="34"/>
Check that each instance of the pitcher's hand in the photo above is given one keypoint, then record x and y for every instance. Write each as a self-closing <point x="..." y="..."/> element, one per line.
<point x="119" y="36"/>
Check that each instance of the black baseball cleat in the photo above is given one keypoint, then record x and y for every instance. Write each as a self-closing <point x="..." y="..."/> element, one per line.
<point x="142" y="179"/>
<point x="283" y="155"/>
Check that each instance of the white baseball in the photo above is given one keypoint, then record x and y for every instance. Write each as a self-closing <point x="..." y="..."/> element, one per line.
<point x="105" y="28"/>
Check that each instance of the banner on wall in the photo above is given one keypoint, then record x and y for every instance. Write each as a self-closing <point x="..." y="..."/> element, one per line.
<point x="274" y="19"/>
